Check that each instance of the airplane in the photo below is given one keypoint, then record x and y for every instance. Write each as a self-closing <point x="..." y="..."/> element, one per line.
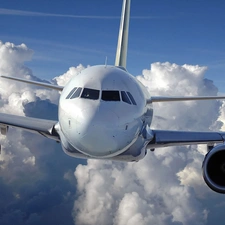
<point x="105" y="113"/>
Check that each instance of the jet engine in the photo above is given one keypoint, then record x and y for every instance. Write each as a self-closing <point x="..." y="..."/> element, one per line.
<point x="213" y="168"/>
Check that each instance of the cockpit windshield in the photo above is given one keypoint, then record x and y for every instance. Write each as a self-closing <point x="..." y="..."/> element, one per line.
<point x="76" y="94"/>
<point x="90" y="94"/>
<point x="110" y="95"/>
<point x="106" y="95"/>
<point x="131" y="98"/>
<point x="125" y="98"/>
<point x="71" y="92"/>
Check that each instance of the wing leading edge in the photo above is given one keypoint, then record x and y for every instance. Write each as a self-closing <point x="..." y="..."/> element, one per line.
<point x="165" y="138"/>
<point x="47" y="128"/>
<point x="46" y="85"/>
<point x="177" y="98"/>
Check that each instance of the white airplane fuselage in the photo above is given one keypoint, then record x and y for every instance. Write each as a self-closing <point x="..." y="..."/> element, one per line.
<point x="103" y="114"/>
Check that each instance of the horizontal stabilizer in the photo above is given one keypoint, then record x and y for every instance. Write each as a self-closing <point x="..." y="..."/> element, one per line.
<point x="174" y="99"/>
<point x="52" y="86"/>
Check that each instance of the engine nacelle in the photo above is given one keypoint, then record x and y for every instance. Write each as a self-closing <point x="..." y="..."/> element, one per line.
<point x="213" y="168"/>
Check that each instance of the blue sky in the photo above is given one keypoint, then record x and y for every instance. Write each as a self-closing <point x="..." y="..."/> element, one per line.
<point x="180" y="32"/>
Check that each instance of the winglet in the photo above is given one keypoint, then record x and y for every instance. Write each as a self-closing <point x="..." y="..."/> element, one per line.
<point x="121" y="53"/>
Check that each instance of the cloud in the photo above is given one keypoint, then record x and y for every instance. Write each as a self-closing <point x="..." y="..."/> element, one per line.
<point x="36" y="185"/>
<point x="15" y="12"/>
<point x="37" y="182"/>
<point x="64" y="78"/>
<point x="166" y="187"/>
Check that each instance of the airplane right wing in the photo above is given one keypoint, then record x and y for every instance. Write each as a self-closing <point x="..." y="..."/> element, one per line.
<point x="47" y="128"/>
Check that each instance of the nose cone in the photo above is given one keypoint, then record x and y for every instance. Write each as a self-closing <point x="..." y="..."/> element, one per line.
<point x="97" y="133"/>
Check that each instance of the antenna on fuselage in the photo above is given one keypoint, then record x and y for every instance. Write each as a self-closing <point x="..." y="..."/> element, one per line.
<point x="106" y="61"/>
<point x="121" y="52"/>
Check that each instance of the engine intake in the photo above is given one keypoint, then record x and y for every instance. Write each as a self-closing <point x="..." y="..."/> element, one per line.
<point x="213" y="168"/>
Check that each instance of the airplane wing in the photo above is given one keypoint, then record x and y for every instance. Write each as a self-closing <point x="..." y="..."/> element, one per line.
<point x="165" y="138"/>
<point x="47" y="85"/>
<point x="177" y="98"/>
<point x="46" y="128"/>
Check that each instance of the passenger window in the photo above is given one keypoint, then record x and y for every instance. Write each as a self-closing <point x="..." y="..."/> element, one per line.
<point x="76" y="94"/>
<point x="125" y="98"/>
<point x="110" y="96"/>
<point x="90" y="94"/>
<point x="131" y="98"/>
<point x="71" y="92"/>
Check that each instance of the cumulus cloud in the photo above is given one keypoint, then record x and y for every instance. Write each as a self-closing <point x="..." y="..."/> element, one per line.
<point x="38" y="185"/>
<point x="64" y="78"/>
<point x="166" y="187"/>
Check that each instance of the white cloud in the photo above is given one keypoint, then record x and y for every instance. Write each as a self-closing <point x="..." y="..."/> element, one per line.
<point x="33" y="186"/>
<point x="166" y="187"/>
<point x="64" y="78"/>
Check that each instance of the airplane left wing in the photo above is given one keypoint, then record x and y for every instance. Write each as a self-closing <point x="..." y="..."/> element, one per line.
<point x="165" y="138"/>
<point x="42" y="84"/>
<point x="47" y="128"/>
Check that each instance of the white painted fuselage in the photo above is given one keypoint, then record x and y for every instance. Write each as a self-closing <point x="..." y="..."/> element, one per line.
<point x="101" y="120"/>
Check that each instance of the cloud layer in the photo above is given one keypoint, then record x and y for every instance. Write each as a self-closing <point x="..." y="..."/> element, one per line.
<point x="166" y="187"/>
<point x="39" y="184"/>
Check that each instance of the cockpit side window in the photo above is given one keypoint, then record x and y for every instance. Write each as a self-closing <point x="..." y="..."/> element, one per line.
<point x="90" y="94"/>
<point x="125" y="98"/>
<point x="71" y="92"/>
<point x="131" y="98"/>
<point x="76" y="94"/>
<point x="110" y="95"/>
